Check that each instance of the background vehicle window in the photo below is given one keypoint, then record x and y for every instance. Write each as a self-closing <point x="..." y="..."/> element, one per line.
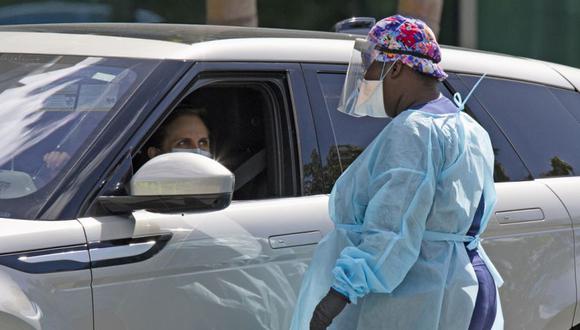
<point x="51" y="107"/>
<point x="542" y="131"/>
<point x="508" y="165"/>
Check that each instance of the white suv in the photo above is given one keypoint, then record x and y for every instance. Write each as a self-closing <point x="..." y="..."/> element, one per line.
<point x="80" y="249"/>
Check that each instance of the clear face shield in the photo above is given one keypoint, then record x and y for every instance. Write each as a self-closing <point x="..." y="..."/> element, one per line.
<point x="362" y="93"/>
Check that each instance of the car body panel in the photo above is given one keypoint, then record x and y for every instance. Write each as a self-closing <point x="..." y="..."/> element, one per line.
<point x="25" y="235"/>
<point x="568" y="190"/>
<point x="52" y="43"/>
<point x="570" y="73"/>
<point x="45" y="301"/>
<point x="220" y="269"/>
<point x="51" y="298"/>
<point x="535" y="257"/>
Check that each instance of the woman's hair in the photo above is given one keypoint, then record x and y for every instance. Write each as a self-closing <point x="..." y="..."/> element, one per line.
<point x="182" y="110"/>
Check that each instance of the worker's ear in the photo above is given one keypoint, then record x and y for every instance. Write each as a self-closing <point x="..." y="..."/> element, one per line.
<point x="397" y="70"/>
<point x="153" y="152"/>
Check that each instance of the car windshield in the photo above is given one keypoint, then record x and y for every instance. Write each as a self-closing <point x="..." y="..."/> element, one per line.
<point x="52" y="107"/>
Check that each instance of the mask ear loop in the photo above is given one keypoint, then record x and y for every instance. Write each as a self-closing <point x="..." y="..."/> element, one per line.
<point x="389" y="70"/>
<point x="383" y="70"/>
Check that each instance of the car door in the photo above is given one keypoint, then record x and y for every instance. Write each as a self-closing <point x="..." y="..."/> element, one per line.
<point x="236" y="268"/>
<point x="530" y="237"/>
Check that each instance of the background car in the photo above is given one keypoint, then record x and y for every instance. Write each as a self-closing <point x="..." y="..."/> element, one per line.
<point x="79" y="250"/>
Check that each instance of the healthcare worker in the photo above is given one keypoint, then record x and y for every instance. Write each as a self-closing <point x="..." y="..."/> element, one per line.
<point x="408" y="213"/>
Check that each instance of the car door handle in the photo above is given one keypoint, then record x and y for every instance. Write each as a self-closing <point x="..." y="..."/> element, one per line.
<point x="125" y="251"/>
<point x="298" y="239"/>
<point x="518" y="216"/>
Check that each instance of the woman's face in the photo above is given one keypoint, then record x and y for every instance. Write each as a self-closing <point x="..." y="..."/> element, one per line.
<point x="185" y="132"/>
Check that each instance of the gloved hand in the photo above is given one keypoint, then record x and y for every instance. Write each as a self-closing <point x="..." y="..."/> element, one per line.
<point x="327" y="309"/>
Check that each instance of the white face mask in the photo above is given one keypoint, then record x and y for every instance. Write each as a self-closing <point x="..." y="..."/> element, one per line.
<point x="195" y="151"/>
<point x="370" y="98"/>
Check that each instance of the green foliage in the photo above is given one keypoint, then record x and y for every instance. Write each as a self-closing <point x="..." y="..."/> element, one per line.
<point x="319" y="14"/>
<point x="540" y="29"/>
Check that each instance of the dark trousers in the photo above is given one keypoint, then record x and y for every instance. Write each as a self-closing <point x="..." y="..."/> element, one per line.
<point x="486" y="302"/>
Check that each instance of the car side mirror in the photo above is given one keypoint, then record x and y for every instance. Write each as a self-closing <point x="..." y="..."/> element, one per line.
<point x="176" y="182"/>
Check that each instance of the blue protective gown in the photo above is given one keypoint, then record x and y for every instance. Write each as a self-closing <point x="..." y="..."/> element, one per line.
<point x="401" y="212"/>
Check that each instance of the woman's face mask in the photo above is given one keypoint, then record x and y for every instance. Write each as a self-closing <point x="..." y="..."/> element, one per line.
<point x="194" y="150"/>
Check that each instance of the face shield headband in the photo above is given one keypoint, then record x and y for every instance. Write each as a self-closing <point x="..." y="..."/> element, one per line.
<point x="370" y="51"/>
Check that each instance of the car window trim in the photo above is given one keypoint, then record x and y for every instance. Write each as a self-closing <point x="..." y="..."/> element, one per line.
<point x="195" y="78"/>
<point x="124" y="147"/>
<point x="316" y="99"/>
<point x="68" y="199"/>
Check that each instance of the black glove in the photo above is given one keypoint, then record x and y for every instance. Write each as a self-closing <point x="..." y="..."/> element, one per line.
<point x="327" y="309"/>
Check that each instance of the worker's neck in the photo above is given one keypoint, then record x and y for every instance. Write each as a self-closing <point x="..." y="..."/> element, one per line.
<point x="419" y="90"/>
<point x="423" y="96"/>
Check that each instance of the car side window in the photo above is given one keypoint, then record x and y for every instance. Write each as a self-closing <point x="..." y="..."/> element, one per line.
<point x="239" y="124"/>
<point x="508" y="165"/>
<point x="350" y="135"/>
<point x="544" y="133"/>
<point x="341" y="137"/>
